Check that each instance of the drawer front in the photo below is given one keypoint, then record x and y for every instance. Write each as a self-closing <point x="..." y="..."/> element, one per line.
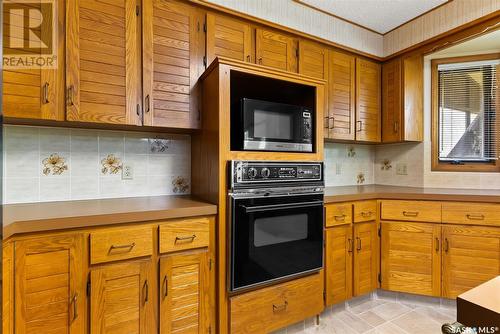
<point x="184" y="234"/>
<point x="418" y="211"/>
<point x="338" y="214"/>
<point x="120" y="243"/>
<point x="268" y="309"/>
<point x="365" y="211"/>
<point x="471" y="213"/>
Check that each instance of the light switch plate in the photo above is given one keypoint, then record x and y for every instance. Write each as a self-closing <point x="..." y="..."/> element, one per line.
<point x="127" y="172"/>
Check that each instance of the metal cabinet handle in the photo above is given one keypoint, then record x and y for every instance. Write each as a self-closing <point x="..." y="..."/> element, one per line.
<point x="147" y="103"/>
<point x="437" y="244"/>
<point x="189" y="239"/>
<point x="327" y="122"/>
<point x="45" y="93"/>
<point x="366" y="213"/>
<point x="475" y="216"/>
<point x="146" y="293"/>
<point x="358" y="248"/>
<point x="165" y="286"/>
<point x="129" y="247"/>
<point x="350" y="245"/>
<point x="74" y="301"/>
<point x="339" y="217"/>
<point x="71" y="92"/>
<point x="396" y="127"/>
<point x="260" y="60"/>
<point x="280" y="308"/>
<point x="248" y="58"/>
<point x="446" y="245"/>
<point x="410" y="213"/>
<point x="333" y="122"/>
<point x="360" y="127"/>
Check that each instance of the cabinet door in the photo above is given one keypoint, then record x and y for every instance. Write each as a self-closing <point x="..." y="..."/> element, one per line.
<point x="471" y="256"/>
<point x="365" y="257"/>
<point x="173" y="49"/>
<point x="32" y="92"/>
<point x="121" y="299"/>
<point x="339" y="248"/>
<point x="392" y="104"/>
<point x="413" y="98"/>
<point x="7" y="288"/>
<point x="411" y="257"/>
<point x="368" y="106"/>
<point x="341" y="99"/>
<point x="102" y="72"/>
<point x="184" y="293"/>
<point x="276" y="50"/>
<point x="230" y="38"/>
<point x="49" y="285"/>
<point x="313" y="59"/>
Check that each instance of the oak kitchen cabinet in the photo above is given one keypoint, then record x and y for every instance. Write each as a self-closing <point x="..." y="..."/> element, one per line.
<point x="276" y="49"/>
<point x="229" y="37"/>
<point x="368" y="100"/>
<point x="313" y="59"/>
<point x="352" y="250"/>
<point x="402" y="89"/>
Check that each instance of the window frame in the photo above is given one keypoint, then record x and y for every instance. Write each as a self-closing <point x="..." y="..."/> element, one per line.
<point x="466" y="166"/>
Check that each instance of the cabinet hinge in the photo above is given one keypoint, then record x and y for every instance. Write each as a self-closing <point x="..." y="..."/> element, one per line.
<point x="210" y="264"/>
<point x="88" y="288"/>
<point x="380" y="278"/>
<point x="137" y="10"/>
<point x="297" y="53"/>
<point x="209" y="329"/>
<point x="380" y="231"/>
<point x="205" y="26"/>
<point x="205" y="61"/>
<point x="324" y="296"/>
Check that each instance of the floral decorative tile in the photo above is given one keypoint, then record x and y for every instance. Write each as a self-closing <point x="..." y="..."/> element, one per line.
<point x="180" y="185"/>
<point x="386" y="165"/>
<point x="360" y="178"/>
<point x="158" y="145"/>
<point x="111" y="164"/>
<point x="54" y="164"/>
<point x="351" y="152"/>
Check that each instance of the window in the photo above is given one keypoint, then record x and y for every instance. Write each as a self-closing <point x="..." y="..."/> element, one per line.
<point x="465" y="126"/>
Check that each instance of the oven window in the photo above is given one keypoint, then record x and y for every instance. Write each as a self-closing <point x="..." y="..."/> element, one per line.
<point x="276" y="230"/>
<point x="272" y="124"/>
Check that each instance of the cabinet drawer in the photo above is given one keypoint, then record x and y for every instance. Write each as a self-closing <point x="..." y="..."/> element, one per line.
<point x="418" y="211"/>
<point x="184" y="234"/>
<point x="365" y="211"/>
<point x="338" y="214"/>
<point x="471" y="213"/>
<point x="120" y="243"/>
<point x="268" y="309"/>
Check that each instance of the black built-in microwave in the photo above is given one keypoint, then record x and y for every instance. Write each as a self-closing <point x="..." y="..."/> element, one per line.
<point x="270" y="126"/>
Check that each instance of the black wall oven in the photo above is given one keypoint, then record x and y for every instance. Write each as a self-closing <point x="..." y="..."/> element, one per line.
<point x="276" y="232"/>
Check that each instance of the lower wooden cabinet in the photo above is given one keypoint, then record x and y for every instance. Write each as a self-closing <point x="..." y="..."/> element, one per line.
<point x="49" y="285"/>
<point x="366" y="254"/>
<point x="184" y="293"/>
<point x="121" y="299"/>
<point x="471" y="256"/>
<point x="411" y="257"/>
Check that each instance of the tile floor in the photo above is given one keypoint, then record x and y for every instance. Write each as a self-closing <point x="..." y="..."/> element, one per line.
<point x="381" y="313"/>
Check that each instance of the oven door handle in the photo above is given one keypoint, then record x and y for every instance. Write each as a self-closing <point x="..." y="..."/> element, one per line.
<point x="261" y="208"/>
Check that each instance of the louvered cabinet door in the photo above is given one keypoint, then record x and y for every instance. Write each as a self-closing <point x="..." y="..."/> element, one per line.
<point x="411" y="257"/>
<point x="339" y="256"/>
<point x="173" y="49"/>
<point x="340" y="119"/>
<point x="471" y="256"/>
<point x="392" y="103"/>
<point x="102" y="62"/>
<point x="31" y="93"/>
<point x="121" y="298"/>
<point x="313" y="59"/>
<point x="184" y="293"/>
<point x="230" y="38"/>
<point x="368" y="100"/>
<point x="49" y="285"/>
<point x="366" y="255"/>
<point x="276" y="50"/>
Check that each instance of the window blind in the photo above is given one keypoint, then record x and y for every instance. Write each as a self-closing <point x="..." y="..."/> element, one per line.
<point x="467" y="111"/>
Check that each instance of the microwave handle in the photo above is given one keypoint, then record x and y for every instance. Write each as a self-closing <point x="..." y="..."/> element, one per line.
<point x="260" y="208"/>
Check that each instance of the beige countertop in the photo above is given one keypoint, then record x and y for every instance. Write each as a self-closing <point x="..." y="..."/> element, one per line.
<point x="374" y="191"/>
<point x="50" y="216"/>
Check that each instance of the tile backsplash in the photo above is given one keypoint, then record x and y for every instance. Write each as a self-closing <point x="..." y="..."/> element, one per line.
<point x="56" y="164"/>
<point x="348" y="164"/>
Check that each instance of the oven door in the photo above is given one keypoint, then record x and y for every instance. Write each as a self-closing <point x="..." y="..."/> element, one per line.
<point x="274" y="238"/>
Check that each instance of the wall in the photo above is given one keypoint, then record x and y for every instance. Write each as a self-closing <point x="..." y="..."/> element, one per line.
<point x="355" y="164"/>
<point x="53" y="164"/>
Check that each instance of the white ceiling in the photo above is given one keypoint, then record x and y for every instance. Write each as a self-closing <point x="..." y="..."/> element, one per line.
<point x="378" y="15"/>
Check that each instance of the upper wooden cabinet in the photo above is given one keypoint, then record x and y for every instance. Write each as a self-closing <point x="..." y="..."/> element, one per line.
<point x="313" y="59"/>
<point x="368" y="100"/>
<point x="276" y="49"/>
<point x="402" y="88"/>
<point x="341" y="115"/>
<point x="102" y="62"/>
<point x="173" y="50"/>
<point x="230" y="38"/>
<point x="49" y="285"/>
<point x="33" y="93"/>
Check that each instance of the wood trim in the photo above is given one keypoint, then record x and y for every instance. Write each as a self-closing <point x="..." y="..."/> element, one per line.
<point x="436" y="165"/>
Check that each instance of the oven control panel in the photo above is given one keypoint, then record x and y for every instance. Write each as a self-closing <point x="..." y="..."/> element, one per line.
<point x="269" y="172"/>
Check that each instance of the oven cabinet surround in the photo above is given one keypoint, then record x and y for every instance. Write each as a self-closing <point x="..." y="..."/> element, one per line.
<point x="438" y="248"/>
<point x="131" y="278"/>
<point x="351" y="250"/>
<point x="402" y="97"/>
